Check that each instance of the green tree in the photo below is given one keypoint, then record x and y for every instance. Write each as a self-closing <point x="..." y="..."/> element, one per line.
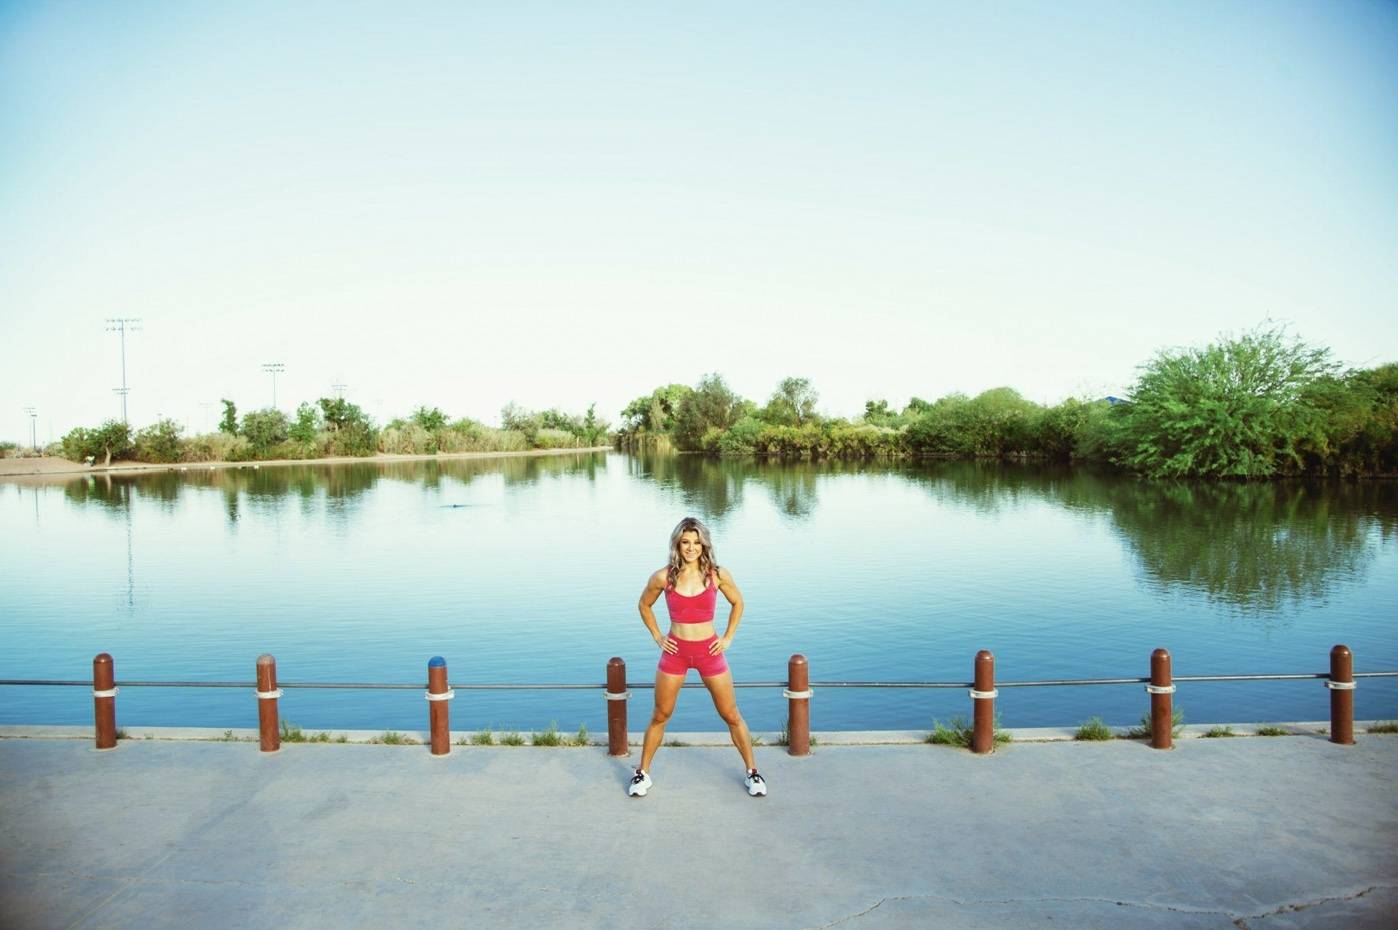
<point x="655" y="412"/>
<point x="265" y="428"/>
<point x="1233" y="409"/>
<point x="792" y="403"/>
<point x="710" y="406"/>
<point x="515" y="418"/>
<point x="306" y="425"/>
<point x="429" y="418"/>
<point x="110" y="440"/>
<point x="229" y="423"/>
<point x="352" y="432"/>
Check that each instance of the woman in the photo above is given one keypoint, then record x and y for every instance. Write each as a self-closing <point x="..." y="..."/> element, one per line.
<point x="691" y="583"/>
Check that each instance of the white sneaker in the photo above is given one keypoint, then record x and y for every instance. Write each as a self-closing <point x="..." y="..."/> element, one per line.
<point x="757" y="785"/>
<point x="640" y="784"/>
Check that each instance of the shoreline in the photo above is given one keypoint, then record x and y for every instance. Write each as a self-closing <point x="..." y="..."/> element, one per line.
<point x="22" y="470"/>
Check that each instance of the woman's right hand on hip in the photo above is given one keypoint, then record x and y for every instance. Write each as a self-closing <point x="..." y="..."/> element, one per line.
<point x="667" y="644"/>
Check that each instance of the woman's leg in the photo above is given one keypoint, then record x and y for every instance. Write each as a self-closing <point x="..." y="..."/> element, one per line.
<point x="726" y="703"/>
<point x="667" y="688"/>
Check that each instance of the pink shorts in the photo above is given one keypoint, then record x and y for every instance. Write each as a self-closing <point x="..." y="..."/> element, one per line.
<point x="693" y="654"/>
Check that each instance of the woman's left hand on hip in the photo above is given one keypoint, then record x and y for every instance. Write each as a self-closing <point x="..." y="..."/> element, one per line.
<point x="719" y="645"/>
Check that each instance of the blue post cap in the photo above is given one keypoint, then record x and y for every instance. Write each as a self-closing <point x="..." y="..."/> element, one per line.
<point x="436" y="662"/>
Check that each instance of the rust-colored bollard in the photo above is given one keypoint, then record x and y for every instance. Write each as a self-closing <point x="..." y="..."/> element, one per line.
<point x="1341" y="685"/>
<point x="983" y="703"/>
<point x="616" y="707"/>
<point x="798" y="706"/>
<point x="104" y="692"/>
<point x="438" y="693"/>
<point x="1162" y="701"/>
<point x="267" y="694"/>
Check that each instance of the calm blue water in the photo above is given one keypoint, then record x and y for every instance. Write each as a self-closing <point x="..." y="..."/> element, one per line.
<point x="529" y="570"/>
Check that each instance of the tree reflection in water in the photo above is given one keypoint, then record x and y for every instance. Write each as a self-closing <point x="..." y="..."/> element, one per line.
<point x="1249" y="546"/>
<point x="1253" y="547"/>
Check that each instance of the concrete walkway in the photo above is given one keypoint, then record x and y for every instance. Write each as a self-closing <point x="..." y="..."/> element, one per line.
<point x="1256" y="833"/>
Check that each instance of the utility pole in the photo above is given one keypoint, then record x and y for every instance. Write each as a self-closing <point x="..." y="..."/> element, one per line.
<point x="121" y="325"/>
<point x="274" y="368"/>
<point x="33" y="417"/>
<point x="339" y="390"/>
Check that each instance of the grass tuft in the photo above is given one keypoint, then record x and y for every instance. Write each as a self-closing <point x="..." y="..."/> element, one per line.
<point x="580" y="738"/>
<point x="483" y="738"/>
<point x="1218" y="733"/>
<point x="958" y="732"/>
<point x="784" y="738"/>
<point x="512" y="738"/>
<point x="549" y="737"/>
<point x="1387" y="726"/>
<point x="394" y="738"/>
<point x="1142" y="730"/>
<point x="677" y="743"/>
<point x="1271" y="731"/>
<point x="291" y="733"/>
<point x="122" y="734"/>
<point x="1093" y="730"/>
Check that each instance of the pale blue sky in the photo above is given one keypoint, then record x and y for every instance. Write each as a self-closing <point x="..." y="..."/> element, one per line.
<point x="558" y="203"/>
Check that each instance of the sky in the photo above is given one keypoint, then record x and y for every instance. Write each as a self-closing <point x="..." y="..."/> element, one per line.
<point x="558" y="204"/>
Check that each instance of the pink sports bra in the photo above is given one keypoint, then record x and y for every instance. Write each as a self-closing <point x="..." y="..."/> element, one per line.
<point x="694" y="608"/>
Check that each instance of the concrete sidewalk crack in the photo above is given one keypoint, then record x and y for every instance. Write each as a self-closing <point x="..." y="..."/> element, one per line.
<point x="1240" y="920"/>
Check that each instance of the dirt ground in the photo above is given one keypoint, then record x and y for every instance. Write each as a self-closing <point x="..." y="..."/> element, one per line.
<point x="51" y="467"/>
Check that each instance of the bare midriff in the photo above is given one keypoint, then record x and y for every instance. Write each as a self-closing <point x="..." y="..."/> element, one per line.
<point x="691" y="632"/>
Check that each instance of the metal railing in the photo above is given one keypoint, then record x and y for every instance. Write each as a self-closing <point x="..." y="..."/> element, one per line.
<point x="797" y="689"/>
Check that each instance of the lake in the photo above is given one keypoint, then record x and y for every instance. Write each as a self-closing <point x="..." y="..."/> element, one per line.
<point x="528" y="569"/>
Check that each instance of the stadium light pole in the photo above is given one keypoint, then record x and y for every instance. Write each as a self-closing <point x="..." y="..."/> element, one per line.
<point x="274" y="368"/>
<point x="121" y="325"/>
<point x="339" y="390"/>
<point x="33" y="418"/>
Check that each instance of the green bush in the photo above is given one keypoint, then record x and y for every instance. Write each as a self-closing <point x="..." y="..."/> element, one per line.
<point x="1236" y="408"/>
<point x="217" y="447"/>
<point x="264" y="429"/>
<point x="740" y="439"/>
<point x="349" y="428"/>
<point x="548" y="438"/>
<point x="160" y="442"/>
<point x="863" y="440"/>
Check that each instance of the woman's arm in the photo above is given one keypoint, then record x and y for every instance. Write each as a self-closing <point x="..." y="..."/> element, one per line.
<point x="729" y="587"/>
<point x="655" y="586"/>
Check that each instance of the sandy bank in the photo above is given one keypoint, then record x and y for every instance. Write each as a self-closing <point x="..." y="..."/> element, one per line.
<point x="49" y="468"/>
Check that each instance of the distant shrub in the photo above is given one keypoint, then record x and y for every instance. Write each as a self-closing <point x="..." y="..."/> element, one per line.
<point x="216" y="447"/>
<point x="1237" y="408"/>
<point x="548" y="438"/>
<point x="264" y="428"/>
<point x="160" y="442"/>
